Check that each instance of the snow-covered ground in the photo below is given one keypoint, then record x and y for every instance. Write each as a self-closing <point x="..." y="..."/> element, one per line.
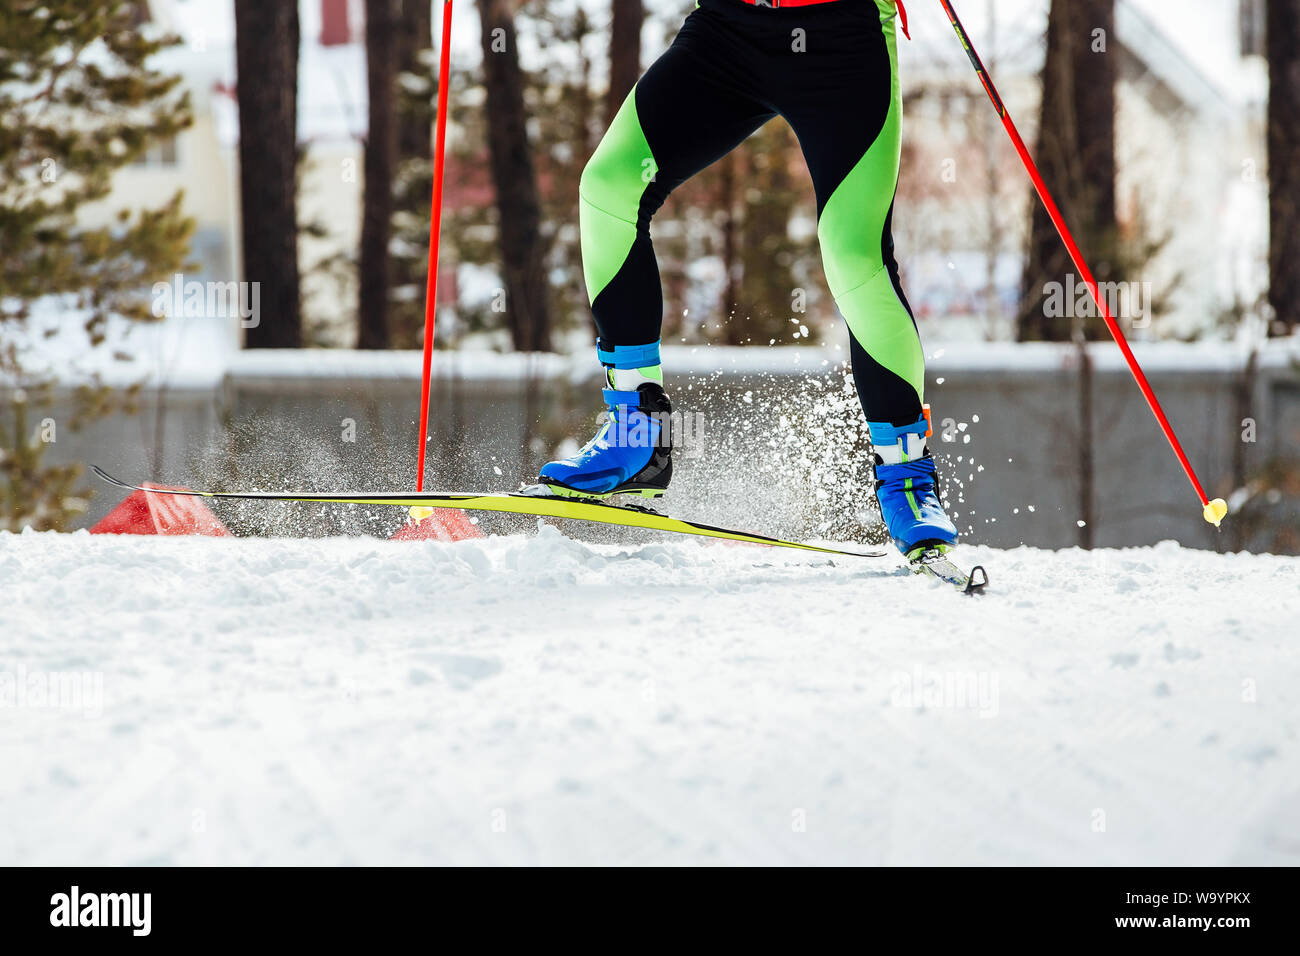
<point x="544" y="700"/>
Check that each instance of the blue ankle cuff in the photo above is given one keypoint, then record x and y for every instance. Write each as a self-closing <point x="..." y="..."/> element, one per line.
<point x="628" y="356"/>
<point x="883" y="433"/>
<point x="615" y="398"/>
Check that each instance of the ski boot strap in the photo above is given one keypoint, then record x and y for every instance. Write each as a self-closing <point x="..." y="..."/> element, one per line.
<point x="918" y="474"/>
<point x="884" y="433"/>
<point x="615" y="399"/>
<point x="628" y="356"/>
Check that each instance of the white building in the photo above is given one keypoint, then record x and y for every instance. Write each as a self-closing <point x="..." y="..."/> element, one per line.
<point x="1190" y="158"/>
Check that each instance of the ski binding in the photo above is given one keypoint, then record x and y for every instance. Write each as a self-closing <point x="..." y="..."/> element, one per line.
<point x="934" y="561"/>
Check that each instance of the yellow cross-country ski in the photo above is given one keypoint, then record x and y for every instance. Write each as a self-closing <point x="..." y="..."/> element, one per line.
<point x="542" y="506"/>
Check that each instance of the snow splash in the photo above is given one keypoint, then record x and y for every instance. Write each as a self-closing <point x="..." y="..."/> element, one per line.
<point x="766" y="451"/>
<point x="260" y="454"/>
<point x="795" y="455"/>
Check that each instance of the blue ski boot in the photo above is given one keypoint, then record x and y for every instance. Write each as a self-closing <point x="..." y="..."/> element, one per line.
<point x="631" y="454"/>
<point x="905" y="489"/>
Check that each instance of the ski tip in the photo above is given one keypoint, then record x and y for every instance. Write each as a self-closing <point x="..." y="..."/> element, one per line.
<point x="110" y="479"/>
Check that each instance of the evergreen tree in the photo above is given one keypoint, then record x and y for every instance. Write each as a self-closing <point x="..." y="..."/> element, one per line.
<point x="79" y="100"/>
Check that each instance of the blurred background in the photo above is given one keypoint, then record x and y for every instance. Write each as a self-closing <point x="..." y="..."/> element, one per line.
<point x="214" y="230"/>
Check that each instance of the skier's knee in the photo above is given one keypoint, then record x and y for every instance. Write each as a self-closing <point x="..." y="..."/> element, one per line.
<point x="622" y="170"/>
<point x="611" y="185"/>
<point x="599" y="184"/>
<point x="852" y="267"/>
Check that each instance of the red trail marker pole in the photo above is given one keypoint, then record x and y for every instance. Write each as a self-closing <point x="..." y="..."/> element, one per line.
<point x="435" y="233"/>
<point x="429" y="522"/>
<point x="1213" y="511"/>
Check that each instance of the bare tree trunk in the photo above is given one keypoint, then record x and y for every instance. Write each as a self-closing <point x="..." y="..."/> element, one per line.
<point x="584" y="142"/>
<point x="415" y="122"/>
<point x="585" y="106"/>
<point x="413" y="170"/>
<point x="764" y="249"/>
<point x="381" y="149"/>
<point x="624" y="52"/>
<point x="1284" y="163"/>
<point x="266" y="53"/>
<point x="1076" y="154"/>
<point x="515" y="179"/>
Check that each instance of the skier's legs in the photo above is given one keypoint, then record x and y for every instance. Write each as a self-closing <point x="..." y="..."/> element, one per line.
<point x="843" y="101"/>
<point x="692" y="107"/>
<point x="852" y="143"/>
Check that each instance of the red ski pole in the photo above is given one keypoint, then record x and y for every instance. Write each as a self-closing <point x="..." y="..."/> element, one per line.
<point x="435" y="233"/>
<point x="1214" y="511"/>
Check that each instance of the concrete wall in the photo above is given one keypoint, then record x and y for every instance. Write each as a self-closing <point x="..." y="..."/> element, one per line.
<point x="775" y="440"/>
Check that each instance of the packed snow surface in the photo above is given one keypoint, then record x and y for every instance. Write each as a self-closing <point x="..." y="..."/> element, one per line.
<point x="541" y="700"/>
